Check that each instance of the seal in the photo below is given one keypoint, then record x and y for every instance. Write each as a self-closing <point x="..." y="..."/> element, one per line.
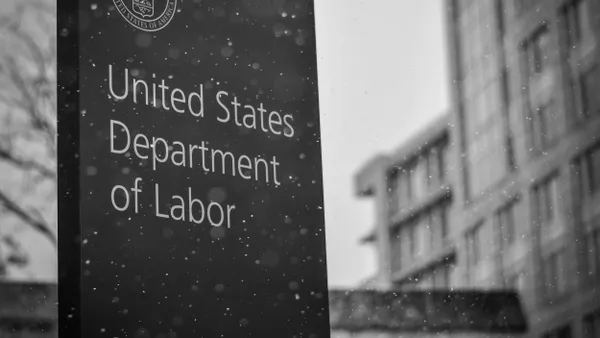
<point x="147" y="15"/>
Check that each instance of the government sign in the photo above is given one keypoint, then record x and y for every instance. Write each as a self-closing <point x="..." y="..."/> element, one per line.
<point x="191" y="196"/>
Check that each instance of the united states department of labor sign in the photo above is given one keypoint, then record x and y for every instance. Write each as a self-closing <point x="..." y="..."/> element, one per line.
<point x="194" y="204"/>
<point x="147" y="15"/>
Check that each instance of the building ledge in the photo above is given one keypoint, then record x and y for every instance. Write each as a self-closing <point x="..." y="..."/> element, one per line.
<point x="434" y="197"/>
<point x="447" y="252"/>
<point x="426" y="312"/>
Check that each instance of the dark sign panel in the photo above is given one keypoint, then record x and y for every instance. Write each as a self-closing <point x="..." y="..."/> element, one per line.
<point x="191" y="185"/>
<point x="467" y="311"/>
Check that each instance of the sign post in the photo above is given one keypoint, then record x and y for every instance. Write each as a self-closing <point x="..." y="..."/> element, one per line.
<point x="190" y="182"/>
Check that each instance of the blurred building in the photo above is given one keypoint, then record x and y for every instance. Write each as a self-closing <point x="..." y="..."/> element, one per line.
<point x="413" y="189"/>
<point x="523" y="175"/>
<point x="28" y="310"/>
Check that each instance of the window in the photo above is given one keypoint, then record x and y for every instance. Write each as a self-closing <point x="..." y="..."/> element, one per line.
<point x="515" y="281"/>
<point x="422" y="237"/>
<point x="579" y="41"/>
<point x="593" y="254"/>
<point x="394" y="191"/>
<point x="416" y="178"/>
<point x="412" y="237"/>
<point x="563" y="332"/>
<point x="539" y="107"/>
<point x="588" y="172"/>
<point x="415" y="239"/>
<point x="444" y="221"/>
<point x="438" y="225"/>
<point x="441" y="276"/>
<point x="419" y="177"/>
<point x="499" y="10"/>
<point x="445" y="156"/>
<point x="577" y="23"/>
<point x="593" y="169"/>
<point x="537" y="51"/>
<point x="543" y="127"/>
<point x="435" y="167"/>
<point x="505" y="220"/>
<point x="591" y="325"/>
<point x="425" y="280"/>
<point x="407" y="185"/>
<point x="587" y="94"/>
<point x="406" y="246"/>
<point x="474" y="245"/>
<point x="437" y="277"/>
<point x="553" y="275"/>
<point x="545" y="197"/>
<point x="432" y="169"/>
<point x="539" y="126"/>
<point x="401" y="188"/>
<point x="396" y="244"/>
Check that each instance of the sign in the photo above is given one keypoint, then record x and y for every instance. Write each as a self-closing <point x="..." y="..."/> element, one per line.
<point x="190" y="170"/>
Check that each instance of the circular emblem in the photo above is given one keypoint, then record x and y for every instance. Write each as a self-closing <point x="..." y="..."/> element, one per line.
<point x="147" y="15"/>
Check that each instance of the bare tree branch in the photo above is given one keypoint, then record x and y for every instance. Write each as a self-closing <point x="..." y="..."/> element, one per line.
<point x="28" y="115"/>
<point x="39" y="225"/>
<point x="26" y="164"/>
<point x="29" y="103"/>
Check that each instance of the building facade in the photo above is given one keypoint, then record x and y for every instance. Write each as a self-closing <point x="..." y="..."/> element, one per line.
<point x="524" y="165"/>
<point x="413" y="190"/>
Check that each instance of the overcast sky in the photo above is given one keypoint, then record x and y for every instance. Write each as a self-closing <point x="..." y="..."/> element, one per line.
<point x="382" y="73"/>
<point x="382" y="77"/>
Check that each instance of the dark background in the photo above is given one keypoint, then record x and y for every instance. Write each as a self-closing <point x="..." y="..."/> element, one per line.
<point x="147" y="277"/>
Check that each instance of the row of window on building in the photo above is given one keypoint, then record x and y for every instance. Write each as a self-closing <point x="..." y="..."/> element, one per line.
<point x="425" y="232"/>
<point x="486" y="85"/>
<point x="413" y="180"/>
<point x="578" y="41"/>
<point x="416" y="238"/>
<point x="545" y="205"/>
